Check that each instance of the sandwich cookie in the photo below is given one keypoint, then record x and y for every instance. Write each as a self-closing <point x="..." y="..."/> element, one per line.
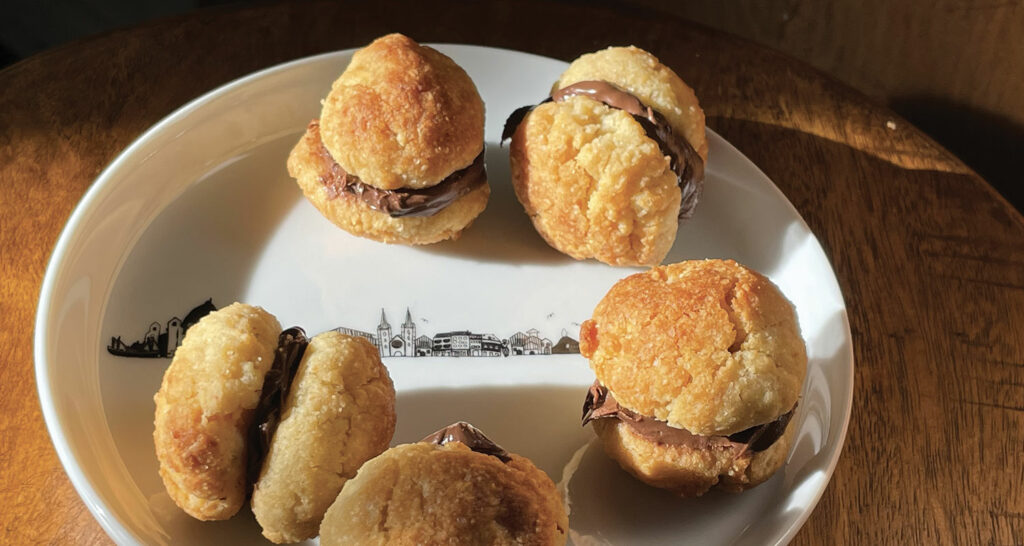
<point x="609" y="164"/>
<point x="397" y="154"/>
<point x="453" y="487"/>
<point x="244" y="407"/>
<point x="699" y="368"/>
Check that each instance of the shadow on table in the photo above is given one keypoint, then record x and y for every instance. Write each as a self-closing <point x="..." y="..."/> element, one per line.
<point x="986" y="141"/>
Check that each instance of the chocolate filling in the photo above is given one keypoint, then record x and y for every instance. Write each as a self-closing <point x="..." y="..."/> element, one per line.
<point x="401" y="202"/>
<point x="601" y="404"/>
<point x="469" y="435"/>
<point x="291" y="345"/>
<point x="683" y="158"/>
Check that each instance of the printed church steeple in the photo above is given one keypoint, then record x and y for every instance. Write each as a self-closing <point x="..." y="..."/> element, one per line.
<point x="383" y="334"/>
<point x="409" y="332"/>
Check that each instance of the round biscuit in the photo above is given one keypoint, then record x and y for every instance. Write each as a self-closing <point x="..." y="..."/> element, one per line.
<point x="402" y="115"/>
<point x="339" y="413"/>
<point x="204" y="408"/>
<point x="709" y="346"/>
<point x="356" y="217"/>
<point x="593" y="183"/>
<point x="428" y="494"/>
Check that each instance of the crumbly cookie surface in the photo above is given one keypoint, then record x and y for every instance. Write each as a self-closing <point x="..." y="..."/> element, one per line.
<point x="204" y="408"/>
<point x="340" y="412"/>
<point x="429" y="494"/>
<point x="356" y="217"/>
<point x="655" y="84"/>
<point x="710" y="346"/>
<point x="402" y="115"/>
<point x="593" y="183"/>
<point x="690" y="472"/>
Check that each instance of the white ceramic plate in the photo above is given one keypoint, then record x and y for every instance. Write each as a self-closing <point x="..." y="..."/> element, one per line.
<point x="201" y="207"/>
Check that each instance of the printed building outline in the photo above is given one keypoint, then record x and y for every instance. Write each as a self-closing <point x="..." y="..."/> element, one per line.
<point x="160" y="341"/>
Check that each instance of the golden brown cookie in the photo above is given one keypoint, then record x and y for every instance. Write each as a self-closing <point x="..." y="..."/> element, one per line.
<point x="699" y="367"/>
<point x="454" y="493"/>
<point x="339" y="413"/>
<point x="607" y="168"/>
<point x="204" y="409"/>
<point x="397" y="154"/>
<point x="402" y="115"/>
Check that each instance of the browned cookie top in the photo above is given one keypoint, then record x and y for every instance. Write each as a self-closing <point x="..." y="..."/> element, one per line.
<point x="710" y="346"/>
<point x="402" y="115"/>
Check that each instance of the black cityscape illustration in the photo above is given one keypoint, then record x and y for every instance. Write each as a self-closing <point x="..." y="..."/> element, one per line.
<point x="162" y="340"/>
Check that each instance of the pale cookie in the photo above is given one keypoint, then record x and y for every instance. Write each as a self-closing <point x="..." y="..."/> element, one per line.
<point x="339" y="413"/>
<point x="429" y="494"/>
<point x="644" y="76"/>
<point x="204" y="409"/>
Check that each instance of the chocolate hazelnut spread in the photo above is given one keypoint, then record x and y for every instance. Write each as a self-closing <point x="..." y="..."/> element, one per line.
<point x="469" y="435"/>
<point x="683" y="158"/>
<point x="400" y="202"/>
<point x="291" y="345"/>
<point x="601" y="404"/>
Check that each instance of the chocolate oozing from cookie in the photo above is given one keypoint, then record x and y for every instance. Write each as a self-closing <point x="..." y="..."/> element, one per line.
<point x="683" y="158"/>
<point x="401" y="202"/>
<point x="469" y="435"/>
<point x="291" y="345"/>
<point x="601" y="404"/>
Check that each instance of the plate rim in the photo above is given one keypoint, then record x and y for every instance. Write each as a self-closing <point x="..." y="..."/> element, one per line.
<point x="59" y="257"/>
<point x="54" y="424"/>
<point x="847" y="405"/>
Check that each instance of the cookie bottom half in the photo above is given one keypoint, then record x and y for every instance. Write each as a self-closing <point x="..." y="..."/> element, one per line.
<point x="353" y="215"/>
<point x="690" y="472"/>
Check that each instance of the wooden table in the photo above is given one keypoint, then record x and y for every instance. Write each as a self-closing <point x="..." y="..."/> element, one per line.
<point x="929" y="257"/>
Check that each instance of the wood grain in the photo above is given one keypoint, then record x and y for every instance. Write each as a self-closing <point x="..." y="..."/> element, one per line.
<point x="953" y="67"/>
<point x="929" y="257"/>
<point x="964" y="51"/>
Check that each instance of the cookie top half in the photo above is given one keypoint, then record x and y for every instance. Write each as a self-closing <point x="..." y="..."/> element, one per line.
<point x="402" y="115"/>
<point x="445" y="494"/>
<point x="656" y="85"/>
<point x="594" y="184"/>
<point x="709" y="346"/>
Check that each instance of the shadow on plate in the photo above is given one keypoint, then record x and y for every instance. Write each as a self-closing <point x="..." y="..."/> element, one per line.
<point x="608" y="506"/>
<point x="503" y="232"/>
<point x="540" y="422"/>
